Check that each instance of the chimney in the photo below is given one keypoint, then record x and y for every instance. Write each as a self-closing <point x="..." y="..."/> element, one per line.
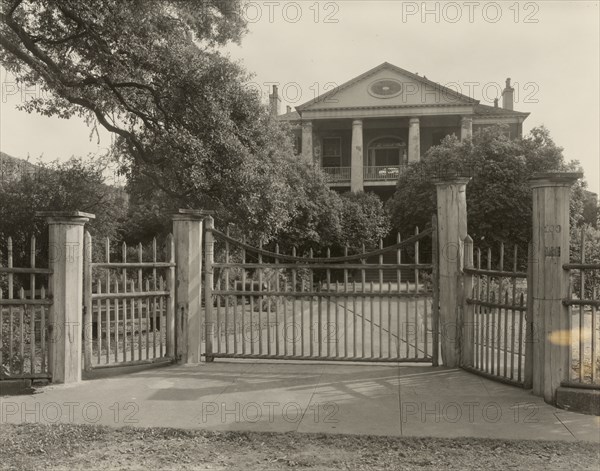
<point x="508" y="96"/>
<point x="275" y="101"/>
<point x="495" y="102"/>
<point x="289" y="109"/>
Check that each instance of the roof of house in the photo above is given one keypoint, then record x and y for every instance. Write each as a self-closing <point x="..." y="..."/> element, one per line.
<point x="492" y="111"/>
<point x="484" y="111"/>
<point x="291" y="116"/>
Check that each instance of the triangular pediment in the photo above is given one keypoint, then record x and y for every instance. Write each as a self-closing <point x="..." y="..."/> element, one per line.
<point x="387" y="86"/>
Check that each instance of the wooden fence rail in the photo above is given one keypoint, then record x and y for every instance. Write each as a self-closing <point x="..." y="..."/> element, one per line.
<point x="24" y="318"/>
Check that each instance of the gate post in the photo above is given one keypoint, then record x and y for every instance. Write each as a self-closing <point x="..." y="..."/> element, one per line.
<point x="551" y="323"/>
<point x="65" y="288"/>
<point x="187" y="232"/>
<point x="452" y="230"/>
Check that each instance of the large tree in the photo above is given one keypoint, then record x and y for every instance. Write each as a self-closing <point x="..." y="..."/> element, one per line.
<point x="150" y="71"/>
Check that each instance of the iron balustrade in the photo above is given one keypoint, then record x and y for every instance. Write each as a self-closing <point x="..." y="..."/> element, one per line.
<point x="382" y="173"/>
<point x="337" y="174"/>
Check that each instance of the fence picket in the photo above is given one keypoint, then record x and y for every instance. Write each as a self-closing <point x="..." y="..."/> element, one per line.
<point x="416" y="299"/>
<point x="147" y="320"/>
<point x="595" y="362"/>
<point x="43" y="310"/>
<point x="132" y="312"/>
<point x="501" y="316"/>
<point x="22" y="332"/>
<point x="581" y="310"/>
<point x="260" y="302"/>
<point x="87" y="301"/>
<point x="107" y="302"/>
<point x="139" y="302"/>
<point x="33" y="308"/>
<point x="482" y="322"/>
<point x="226" y="273"/>
<point x="99" y="321"/>
<point x="346" y="281"/>
<point x="124" y="276"/>
<point x="512" y="315"/>
<point x="1" y="331"/>
<point x="521" y="304"/>
<point x="154" y="299"/>
<point x="243" y="304"/>
<point x="363" y="310"/>
<point x="11" y="353"/>
<point x="116" y="322"/>
<point x="488" y="352"/>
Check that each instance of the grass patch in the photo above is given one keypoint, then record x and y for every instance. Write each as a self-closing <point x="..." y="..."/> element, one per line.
<point x="34" y="446"/>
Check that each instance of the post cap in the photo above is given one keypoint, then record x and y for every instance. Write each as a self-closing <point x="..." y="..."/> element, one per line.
<point x="451" y="180"/>
<point x="543" y="179"/>
<point x="192" y="214"/>
<point x="66" y="217"/>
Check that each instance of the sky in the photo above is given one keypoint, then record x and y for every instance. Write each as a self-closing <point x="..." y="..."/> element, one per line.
<point x="550" y="50"/>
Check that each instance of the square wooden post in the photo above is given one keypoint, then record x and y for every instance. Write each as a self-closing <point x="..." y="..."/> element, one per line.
<point x="187" y="232"/>
<point x="452" y="230"/>
<point x="551" y="319"/>
<point x="65" y="287"/>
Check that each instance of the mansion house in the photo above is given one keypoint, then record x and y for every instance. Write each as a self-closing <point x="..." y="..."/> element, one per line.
<point x="365" y="131"/>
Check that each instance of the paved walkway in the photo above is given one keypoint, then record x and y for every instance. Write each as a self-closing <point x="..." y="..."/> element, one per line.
<point x="305" y="397"/>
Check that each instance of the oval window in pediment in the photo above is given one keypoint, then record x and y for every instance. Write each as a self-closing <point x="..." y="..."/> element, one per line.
<point x="385" y="88"/>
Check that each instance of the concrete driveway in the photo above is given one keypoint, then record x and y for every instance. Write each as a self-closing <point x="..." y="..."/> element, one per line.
<point x="306" y="397"/>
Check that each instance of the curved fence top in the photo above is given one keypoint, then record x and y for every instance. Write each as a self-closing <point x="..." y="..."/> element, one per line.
<point x="347" y="258"/>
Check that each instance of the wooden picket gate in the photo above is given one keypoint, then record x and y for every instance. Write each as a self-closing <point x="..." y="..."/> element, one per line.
<point x="497" y="316"/>
<point x="268" y="305"/>
<point x="128" y="314"/>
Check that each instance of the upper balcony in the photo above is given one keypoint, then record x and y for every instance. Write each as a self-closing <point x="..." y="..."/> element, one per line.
<point x="338" y="176"/>
<point x="372" y="175"/>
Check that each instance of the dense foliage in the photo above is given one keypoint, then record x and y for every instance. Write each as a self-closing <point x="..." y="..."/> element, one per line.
<point x="498" y="194"/>
<point x="76" y="185"/>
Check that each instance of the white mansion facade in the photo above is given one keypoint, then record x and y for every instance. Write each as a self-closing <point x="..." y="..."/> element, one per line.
<point x="365" y="131"/>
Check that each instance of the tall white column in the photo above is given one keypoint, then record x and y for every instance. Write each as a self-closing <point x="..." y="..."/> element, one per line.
<point x="414" y="140"/>
<point x="466" y="128"/>
<point x="307" y="141"/>
<point x="356" y="171"/>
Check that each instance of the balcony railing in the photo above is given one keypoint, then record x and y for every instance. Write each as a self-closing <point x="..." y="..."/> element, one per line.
<point x="379" y="173"/>
<point x="337" y="174"/>
<point x="387" y="172"/>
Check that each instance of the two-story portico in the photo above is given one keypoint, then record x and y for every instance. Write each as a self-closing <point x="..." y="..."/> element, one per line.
<point x="364" y="132"/>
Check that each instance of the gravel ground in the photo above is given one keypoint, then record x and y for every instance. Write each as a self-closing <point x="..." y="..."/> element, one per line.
<point x="34" y="446"/>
